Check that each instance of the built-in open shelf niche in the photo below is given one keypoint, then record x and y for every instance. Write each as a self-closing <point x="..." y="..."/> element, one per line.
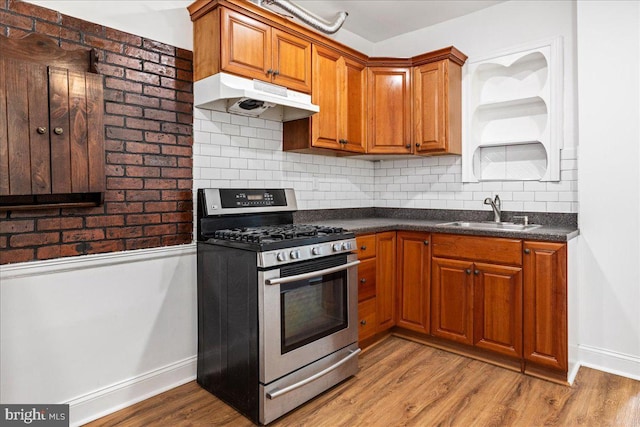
<point x="513" y="104"/>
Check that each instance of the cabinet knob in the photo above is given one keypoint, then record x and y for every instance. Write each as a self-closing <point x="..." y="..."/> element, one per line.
<point x="363" y="248"/>
<point x="363" y="280"/>
<point x="417" y="144"/>
<point x="41" y="130"/>
<point x="476" y="272"/>
<point x="269" y="71"/>
<point x="468" y="271"/>
<point x="408" y="145"/>
<point x="276" y="72"/>
<point x="426" y="243"/>
<point x="527" y="251"/>
<point x="363" y="322"/>
<point x="58" y="131"/>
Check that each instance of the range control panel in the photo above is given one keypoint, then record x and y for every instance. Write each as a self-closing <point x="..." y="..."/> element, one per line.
<point x="225" y="201"/>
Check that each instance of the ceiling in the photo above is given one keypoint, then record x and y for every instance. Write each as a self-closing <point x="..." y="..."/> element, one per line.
<point x="377" y="20"/>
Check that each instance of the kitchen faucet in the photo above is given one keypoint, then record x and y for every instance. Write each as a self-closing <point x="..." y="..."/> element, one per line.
<point x="495" y="205"/>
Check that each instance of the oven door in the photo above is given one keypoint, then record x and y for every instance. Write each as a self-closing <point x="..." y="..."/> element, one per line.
<point x="307" y="310"/>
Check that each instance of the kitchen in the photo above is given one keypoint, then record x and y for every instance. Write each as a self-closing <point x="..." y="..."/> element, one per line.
<point x="233" y="151"/>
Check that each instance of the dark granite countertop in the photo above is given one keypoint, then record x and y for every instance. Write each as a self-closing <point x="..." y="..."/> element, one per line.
<point x="558" y="228"/>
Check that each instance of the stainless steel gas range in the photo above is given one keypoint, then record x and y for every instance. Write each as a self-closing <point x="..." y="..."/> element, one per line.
<point x="277" y="302"/>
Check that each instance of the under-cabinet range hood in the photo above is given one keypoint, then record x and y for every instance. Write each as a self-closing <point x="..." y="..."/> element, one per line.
<point x="254" y="98"/>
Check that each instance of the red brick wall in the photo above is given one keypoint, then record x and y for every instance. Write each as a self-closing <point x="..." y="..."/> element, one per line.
<point x="148" y="140"/>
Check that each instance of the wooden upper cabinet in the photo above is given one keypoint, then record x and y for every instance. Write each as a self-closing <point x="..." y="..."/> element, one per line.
<point x="389" y="110"/>
<point x="437" y="99"/>
<point x="339" y="89"/>
<point x="51" y="127"/>
<point x="545" y="305"/>
<point x="253" y="49"/>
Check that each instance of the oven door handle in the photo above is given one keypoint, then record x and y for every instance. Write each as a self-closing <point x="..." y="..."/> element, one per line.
<point x="305" y="276"/>
<point x="280" y="392"/>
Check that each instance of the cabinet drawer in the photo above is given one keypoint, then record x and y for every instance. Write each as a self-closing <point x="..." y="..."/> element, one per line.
<point x="367" y="318"/>
<point x="366" y="246"/>
<point x="487" y="249"/>
<point x="367" y="279"/>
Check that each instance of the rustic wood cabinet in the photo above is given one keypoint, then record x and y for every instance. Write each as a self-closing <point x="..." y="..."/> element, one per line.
<point x="51" y="126"/>
<point x="386" y="279"/>
<point x="339" y="89"/>
<point x="229" y="41"/>
<point x="545" y="305"/>
<point x="389" y="110"/>
<point x="437" y="98"/>
<point x="413" y="283"/>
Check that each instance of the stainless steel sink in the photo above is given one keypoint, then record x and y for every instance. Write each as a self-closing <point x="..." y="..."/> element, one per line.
<point x="490" y="225"/>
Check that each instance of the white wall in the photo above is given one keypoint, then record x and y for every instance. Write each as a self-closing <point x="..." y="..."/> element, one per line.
<point x="99" y="331"/>
<point x="609" y="98"/>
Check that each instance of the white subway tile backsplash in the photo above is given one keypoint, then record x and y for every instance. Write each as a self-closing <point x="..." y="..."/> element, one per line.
<point x="234" y="151"/>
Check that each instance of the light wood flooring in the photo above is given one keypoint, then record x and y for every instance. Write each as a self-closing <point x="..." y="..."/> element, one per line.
<point x="403" y="383"/>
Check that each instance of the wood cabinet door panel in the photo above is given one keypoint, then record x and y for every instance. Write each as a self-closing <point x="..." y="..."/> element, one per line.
<point x="452" y="308"/>
<point x="4" y="128"/>
<point x="389" y="96"/>
<point x="245" y="45"/>
<point x="354" y="106"/>
<point x="497" y="307"/>
<point x="40" y="152"/>
<point x="95" y="132"/>
<point x="413" y="280"/>
<point x="326" y="87"/>
<point x="291" y="61"/>
<point x="429" y="107"/>
<point x="545" y="304"/>
<point x="78" y="130"/>
<point x="366" y="279"/>
<point x="59" y="119"/>
<point x="386" y="279"/>
<point x="367" y="321"/>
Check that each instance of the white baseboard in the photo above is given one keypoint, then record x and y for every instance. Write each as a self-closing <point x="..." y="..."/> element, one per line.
<point x="107" y="400"/>
<point x="609" y="361"/>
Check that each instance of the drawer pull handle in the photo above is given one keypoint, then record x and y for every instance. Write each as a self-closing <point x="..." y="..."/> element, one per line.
<point x="363" y="248"/>
<point x="363" y="280"/>
<point x="527" y="251"/>
<point x="363" y="322"/>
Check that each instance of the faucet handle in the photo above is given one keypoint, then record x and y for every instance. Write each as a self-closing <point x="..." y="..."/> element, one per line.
<point x="524" y="218"/>
<point x="497" y="201"/>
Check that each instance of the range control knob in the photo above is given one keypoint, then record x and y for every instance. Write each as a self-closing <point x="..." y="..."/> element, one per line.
<point x="316" y="251"/>
<point x="337" y="247"/>
<point x="281" y="256"/>
<point x="295" y="254"/>
<point x="347" y="246"/>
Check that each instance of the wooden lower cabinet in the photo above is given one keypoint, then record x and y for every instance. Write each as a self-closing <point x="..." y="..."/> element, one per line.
<point x="452" y="300"/>
<point x="497" y="308"/>
<point x="376" y="283"/>
<point x="413" y="292"/>
<point x="545" y="305"/>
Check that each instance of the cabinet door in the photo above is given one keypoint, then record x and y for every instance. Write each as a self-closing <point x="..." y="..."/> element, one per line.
<point x="413" y="281"/>
<point x="452" y="300"/>
<point x="24" y="129"/>
<point x="291" y="61"/>
<point x="366" y="279"/>
<point x="497" y="292"/>
<point x="326" y="89"/>
<point x="354" y="106"/>
<point x="77" y="150"/>
<point x="389" y="96"/>
<point x="437" y="108"/>
<point x="245" y="45"/>
<point x="386" y="279"/>
<point x="545" y="304"/>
